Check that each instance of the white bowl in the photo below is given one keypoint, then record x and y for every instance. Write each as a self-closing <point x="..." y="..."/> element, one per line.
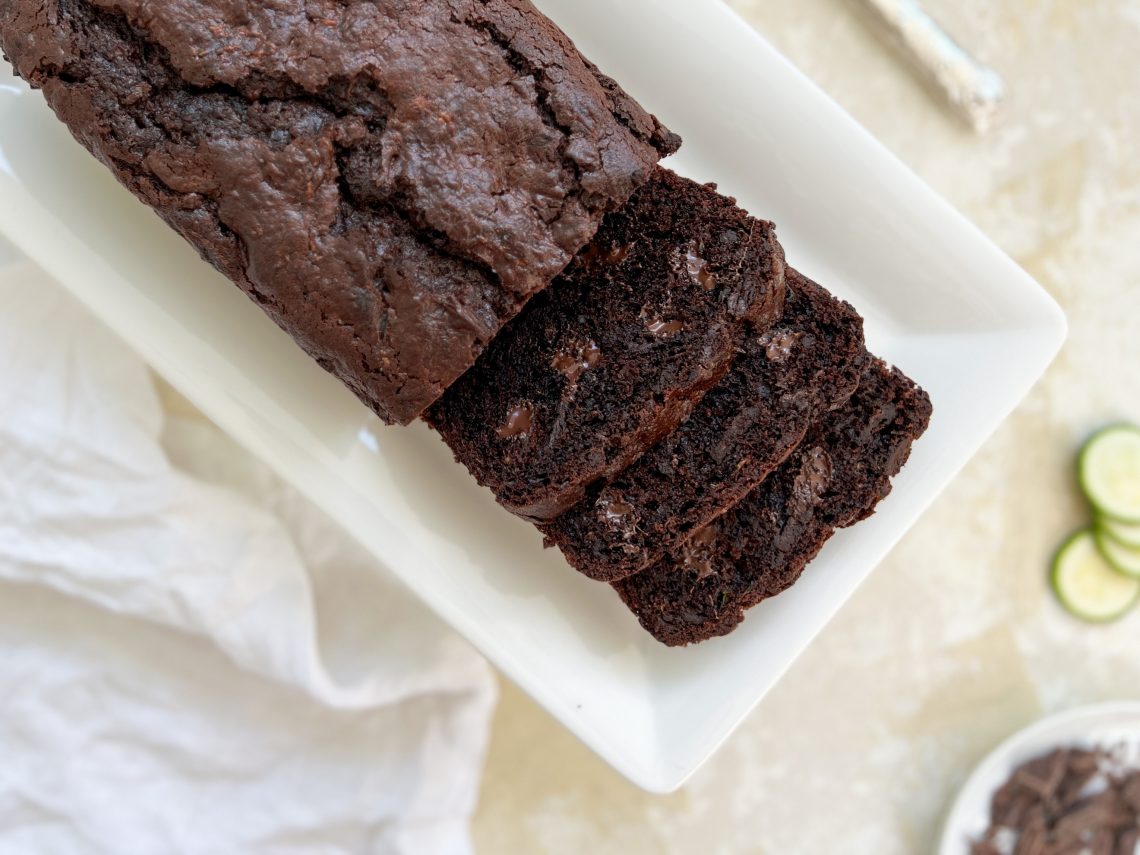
<point x="940" y="300"/>
<point x="1101" y="726"/>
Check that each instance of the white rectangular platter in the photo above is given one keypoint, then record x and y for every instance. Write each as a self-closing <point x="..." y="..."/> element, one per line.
<point x="940" y="300"/>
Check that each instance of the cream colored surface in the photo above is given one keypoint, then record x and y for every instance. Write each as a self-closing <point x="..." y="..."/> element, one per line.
<point x="955" y="641"/>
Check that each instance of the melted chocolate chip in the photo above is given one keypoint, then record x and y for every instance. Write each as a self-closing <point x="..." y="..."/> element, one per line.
<point x="697" y="551"/>
<point x="813" y="477"/>
<point x="661" y="329"/>
<point x="617" y="513"/>
<point x="689" y="263"/>
<point x="778" y="346"/>
<point x="519" y="422"/>
<point x="703" y="537"/>
<point x="594" y="255"/>
<point x="617" y="509"/>
<point x="574" y="364"/>
<point x="616" y="255"/>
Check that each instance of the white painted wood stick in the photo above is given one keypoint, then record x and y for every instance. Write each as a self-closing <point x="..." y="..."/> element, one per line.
<point x="975" y="91"/>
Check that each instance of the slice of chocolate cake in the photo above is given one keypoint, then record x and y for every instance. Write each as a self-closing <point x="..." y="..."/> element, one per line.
<point x="786" y="379"/>
<point x="836" y="478"/>
<point x="617" y="352"/>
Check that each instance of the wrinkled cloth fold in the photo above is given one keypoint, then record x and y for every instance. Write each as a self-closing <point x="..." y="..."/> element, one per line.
<point x="196" y="659"/>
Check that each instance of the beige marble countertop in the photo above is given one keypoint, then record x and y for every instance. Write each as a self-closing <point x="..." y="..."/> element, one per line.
<point x="955" y="641"/>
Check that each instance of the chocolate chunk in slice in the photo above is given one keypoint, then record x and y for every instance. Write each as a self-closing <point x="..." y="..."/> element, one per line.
<point x="807" y="364"/>
<point x="837" y="477"/>
<point x="617" y="352"/>
<point x="390" y="182"/>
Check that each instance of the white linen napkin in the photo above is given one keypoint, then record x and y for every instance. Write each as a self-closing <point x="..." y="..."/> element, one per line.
<point x="193" y="659"/>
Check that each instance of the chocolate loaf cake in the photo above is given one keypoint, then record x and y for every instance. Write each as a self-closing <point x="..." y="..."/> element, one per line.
<point x="617" y="352"/>
<point x="836" y="478"/>
<point x="785" y="380"/>
<point x="391" y="182"/>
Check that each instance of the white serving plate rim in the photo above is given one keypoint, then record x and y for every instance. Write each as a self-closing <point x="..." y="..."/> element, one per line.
<point x="1034" y="331"/>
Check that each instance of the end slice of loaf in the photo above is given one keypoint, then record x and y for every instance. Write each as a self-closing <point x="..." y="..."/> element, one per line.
<point x="836" y="478"/>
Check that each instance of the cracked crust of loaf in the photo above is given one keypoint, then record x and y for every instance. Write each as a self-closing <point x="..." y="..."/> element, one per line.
<point x="390" y="182"/>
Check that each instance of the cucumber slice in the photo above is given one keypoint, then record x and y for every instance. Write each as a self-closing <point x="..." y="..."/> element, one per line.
<point x="1087" y="585"/>
<point x="1126" y="534"/>
<point x="1110" y="472"/>
<point x="1123" y="559"/>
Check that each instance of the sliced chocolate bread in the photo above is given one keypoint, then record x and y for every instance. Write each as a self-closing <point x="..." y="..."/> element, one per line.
<point x="783" y="382"/>
<point x="836" y="478"/>
<point x="617" y="352"/>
